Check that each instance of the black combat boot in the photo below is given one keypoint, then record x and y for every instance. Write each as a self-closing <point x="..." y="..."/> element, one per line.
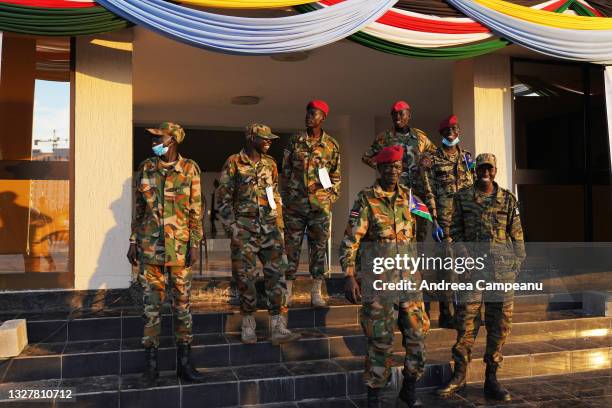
<point x="457" y="382"/>
<point x="492" y="388"/>
<point x="151" y="371"/>
<point x="184" y="368"/>
<point x="445" y="318"/>
<point x="408" y="392"/>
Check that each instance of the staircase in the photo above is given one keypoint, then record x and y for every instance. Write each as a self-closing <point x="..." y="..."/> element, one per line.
<point x="99" y="354"/>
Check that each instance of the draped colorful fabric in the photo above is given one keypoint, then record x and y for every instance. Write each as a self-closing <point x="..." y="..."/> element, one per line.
<point x="589" y="45"/>
<point x="244" y="4"/>
<point x="447" y="29"/>
<point x="52" y="3"/>
<point x="58" y="21"/>
<point x="251" y="36"/>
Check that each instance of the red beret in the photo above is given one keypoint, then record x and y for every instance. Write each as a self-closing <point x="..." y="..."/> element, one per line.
<point x="389" y="154"/>
<point x="399" y="105"/>
<point x="448" y="122"/>
<point x="319" y="104"/>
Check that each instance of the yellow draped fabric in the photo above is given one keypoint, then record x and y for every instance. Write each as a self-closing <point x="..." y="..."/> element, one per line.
<point x="548" y="18"/>
<point x="245" y="4"/>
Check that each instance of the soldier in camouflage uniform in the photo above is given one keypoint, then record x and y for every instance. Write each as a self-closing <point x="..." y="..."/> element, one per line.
<point x="310" y="184"/>
<point x="251" y="212"/>
<point x="444" y="171"/>
<point x="381" y="216"/>
<point x="415" y="142"/>
<point x="486" y="213"/>
<point x="166" y="234"/>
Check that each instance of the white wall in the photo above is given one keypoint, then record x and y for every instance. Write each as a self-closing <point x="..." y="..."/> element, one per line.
<point x="103" y="160"/>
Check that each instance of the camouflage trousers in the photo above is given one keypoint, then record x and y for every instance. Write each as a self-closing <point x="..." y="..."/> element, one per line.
<point x="265" y="243"/>
<point x="299" y="219"/>
<point x="153" y="280"/>
<point x="498" y="321"/>
<point x="378" y="323"/>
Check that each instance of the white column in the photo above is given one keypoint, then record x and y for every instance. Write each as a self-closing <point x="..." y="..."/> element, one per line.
<point x="482" y="99"/>
<point x="103" y="160"/>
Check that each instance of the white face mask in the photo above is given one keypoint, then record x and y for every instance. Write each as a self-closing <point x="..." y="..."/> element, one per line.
<point x="450" y="144"/>
<point x="160" y="149"/>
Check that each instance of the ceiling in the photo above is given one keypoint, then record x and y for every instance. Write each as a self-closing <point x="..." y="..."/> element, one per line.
<point x="194" y="86"/>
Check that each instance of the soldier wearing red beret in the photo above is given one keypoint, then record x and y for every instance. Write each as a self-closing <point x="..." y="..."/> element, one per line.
<point x="415" y="142"/>
<point x="380" y="218"/>
<point x="444" y="171"/>
<point x="310" y="184"/>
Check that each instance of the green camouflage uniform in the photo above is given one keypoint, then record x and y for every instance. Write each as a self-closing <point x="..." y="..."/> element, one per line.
<point x="307" y="204"/>
<point x="380" y="217"/>
<point x="254" y="228"/>
<point x="494" y="220"/>
<point x="415" y="143"/>
<point x="167" y="222"/>
<point x="442" y="176"/>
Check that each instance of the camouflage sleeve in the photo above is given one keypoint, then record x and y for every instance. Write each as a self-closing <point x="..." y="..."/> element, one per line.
<point x="515" y="230"/>
<point x="356" y="229"/>
<point x="285" y="175"/>
<point x="428" y="181"/>
<point x="334" y="176"/>
<point x="277" y="198"/>
<point x="457" y="233"/>
<point x="195" y="210"/>
<point x="225" y="195"/>
<point x="139" y="207"/>
<point x="368" y="157"/>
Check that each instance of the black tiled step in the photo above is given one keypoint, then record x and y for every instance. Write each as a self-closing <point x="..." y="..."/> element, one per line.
<point x="102" y="357"/>
<point x="334" y="380"/>
<point x="209" y="319"/>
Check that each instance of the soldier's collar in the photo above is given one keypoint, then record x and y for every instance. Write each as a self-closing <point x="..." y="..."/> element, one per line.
<point x="178" y="166"/>
<point x="380" y="193"/>
<point x="499" y="194"/>
<point x="244" y="157"/>
<point x="410" y="133"/>
<point x="322" y="140"/>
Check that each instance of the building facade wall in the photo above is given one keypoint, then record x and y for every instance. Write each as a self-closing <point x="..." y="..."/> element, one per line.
<point x="103" y="161"/>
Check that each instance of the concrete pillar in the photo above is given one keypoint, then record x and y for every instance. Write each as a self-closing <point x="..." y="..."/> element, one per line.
<point x="482" y="98"/>
<point x="103" y="160"/>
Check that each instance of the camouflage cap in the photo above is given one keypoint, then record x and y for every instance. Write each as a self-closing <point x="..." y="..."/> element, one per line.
<point x="171" y="129"/>
<point x="260" y="130"/>
<point x="486" y="158"/>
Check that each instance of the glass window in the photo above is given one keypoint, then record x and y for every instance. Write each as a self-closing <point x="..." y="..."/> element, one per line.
<point x="35" y="160"/>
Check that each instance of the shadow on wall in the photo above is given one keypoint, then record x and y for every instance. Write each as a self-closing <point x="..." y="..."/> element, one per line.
<point x="113" y="255"/>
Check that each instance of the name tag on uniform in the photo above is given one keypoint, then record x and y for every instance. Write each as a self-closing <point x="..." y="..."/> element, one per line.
<point x="324" y="178"/>
<point x="270" y="195"/>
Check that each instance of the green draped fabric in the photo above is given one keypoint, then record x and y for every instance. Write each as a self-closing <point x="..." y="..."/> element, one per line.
<point x="456" y="52"/>
<point x="58" y="21"/>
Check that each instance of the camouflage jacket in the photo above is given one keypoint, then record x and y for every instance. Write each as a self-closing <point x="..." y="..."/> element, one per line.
<point x="376" y="217"/>
<point x="241" y="196"/>
<point x="415" y="143"/>
<point x="168" y="211"/>
<point x="494" y="220"/>
<point x="300" y="174"/>
<point x="442" y="176"/>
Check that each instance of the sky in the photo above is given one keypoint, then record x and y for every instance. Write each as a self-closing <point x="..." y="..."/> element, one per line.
<point x="51" y="110"/>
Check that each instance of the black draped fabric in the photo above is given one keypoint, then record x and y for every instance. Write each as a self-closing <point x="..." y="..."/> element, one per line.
<point x="603" y="6"/>
<point x="442" y="9"/>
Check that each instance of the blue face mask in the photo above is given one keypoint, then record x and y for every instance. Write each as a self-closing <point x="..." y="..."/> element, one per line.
<point x="450" y="144"/>
<point x="160" y="149"/>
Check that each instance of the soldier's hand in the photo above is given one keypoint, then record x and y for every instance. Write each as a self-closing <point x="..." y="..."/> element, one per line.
<point x="194" y="256"/>
<point x="352" y="292"/>
<point x="132" y="254"/>
<point x="437" y="233"/>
